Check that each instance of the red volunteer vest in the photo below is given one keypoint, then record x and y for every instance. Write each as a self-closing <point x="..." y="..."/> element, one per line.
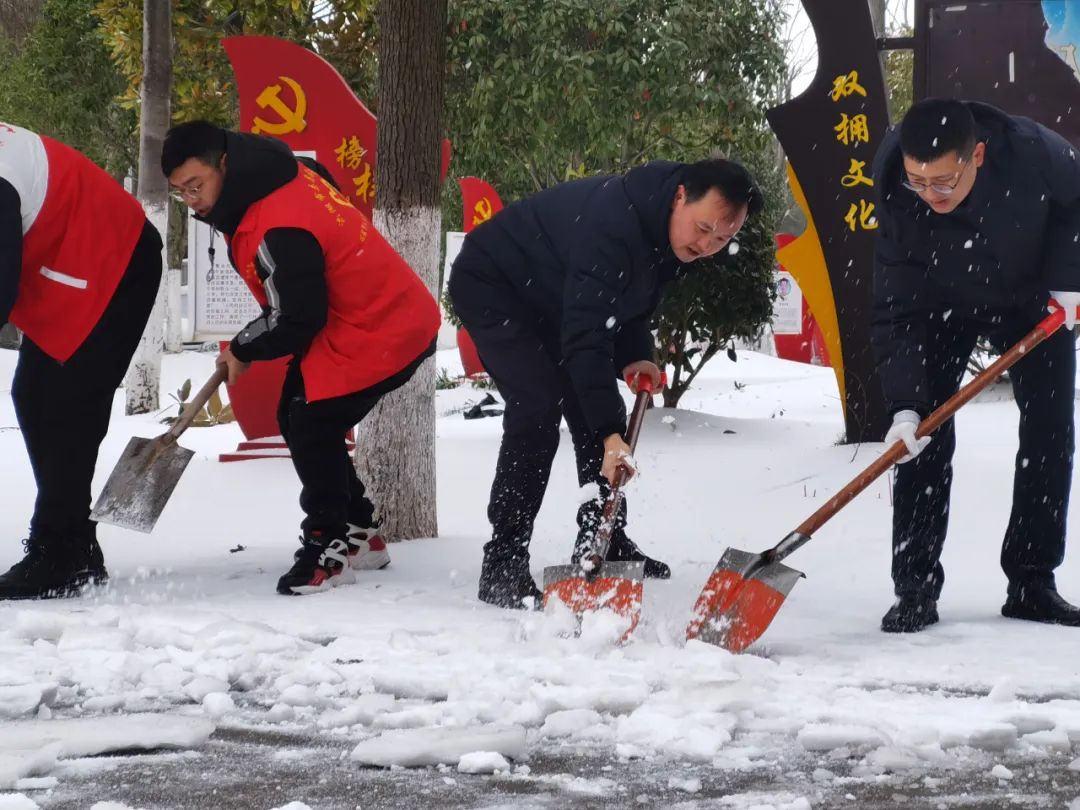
<point x="381" y="316"/>
<point x="76" y="250"/>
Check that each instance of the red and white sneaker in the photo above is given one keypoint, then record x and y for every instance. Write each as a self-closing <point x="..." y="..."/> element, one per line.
<point x="367" y="550"/>
<point x="321" y="564"/>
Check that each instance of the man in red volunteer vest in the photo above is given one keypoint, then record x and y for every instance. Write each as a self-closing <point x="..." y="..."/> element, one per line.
<point x="80" y="267"/>
<point x="355" y="318"/>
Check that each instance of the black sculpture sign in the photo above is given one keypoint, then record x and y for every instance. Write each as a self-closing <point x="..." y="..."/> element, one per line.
<point x="1019" y="55"/>
<point x="830" y="134"/>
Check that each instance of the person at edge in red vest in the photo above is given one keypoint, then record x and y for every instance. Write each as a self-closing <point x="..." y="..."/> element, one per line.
<point x="80" y="267"/>
<point x="354" y="317"/>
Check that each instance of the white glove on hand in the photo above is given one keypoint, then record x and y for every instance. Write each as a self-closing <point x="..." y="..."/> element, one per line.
<point x="904" y="424"/>
<point x="1069" y="301"/>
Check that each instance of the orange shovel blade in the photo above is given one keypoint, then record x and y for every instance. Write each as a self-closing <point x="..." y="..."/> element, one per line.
<point x="740" y="600"/>
<point x="618" y="588"/>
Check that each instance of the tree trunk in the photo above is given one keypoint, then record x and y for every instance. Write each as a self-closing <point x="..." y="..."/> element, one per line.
<point x="18" y="18"/>
<point x="10" y="336"/>
<point x="395" y="450"/>
<point x="143" y="381"/>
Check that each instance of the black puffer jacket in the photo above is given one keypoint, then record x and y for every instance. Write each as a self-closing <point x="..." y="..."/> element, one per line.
<point x="591" y="257"/>
<point x="1015" y="238"/>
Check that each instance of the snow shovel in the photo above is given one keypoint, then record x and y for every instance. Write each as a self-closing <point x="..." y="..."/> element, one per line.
<point x="148" y="470"/>
<point x="745" y="590"/>
<point x="596" y="583"/>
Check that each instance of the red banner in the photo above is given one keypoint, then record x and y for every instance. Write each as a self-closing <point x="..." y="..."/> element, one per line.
<point x="481" y="201"/>
<point x="294" y="94"/>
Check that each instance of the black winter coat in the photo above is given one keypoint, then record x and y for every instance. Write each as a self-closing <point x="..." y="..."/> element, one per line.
<point x="591" y="259"/>
<point x="1015" y="238"/>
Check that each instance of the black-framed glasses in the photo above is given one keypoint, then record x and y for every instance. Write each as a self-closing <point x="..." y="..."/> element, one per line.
<point x="937" y="188"/>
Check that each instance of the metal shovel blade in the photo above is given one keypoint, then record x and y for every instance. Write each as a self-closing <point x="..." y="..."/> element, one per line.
<point x="619" y="587"/>
<point x="740" y="600"/>
<point x="141" y="483"/>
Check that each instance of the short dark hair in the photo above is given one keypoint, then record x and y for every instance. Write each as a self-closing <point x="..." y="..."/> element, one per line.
<point x="195" y="139"/>
<point x="934" y="127"/>
<point x="731" y="179"/>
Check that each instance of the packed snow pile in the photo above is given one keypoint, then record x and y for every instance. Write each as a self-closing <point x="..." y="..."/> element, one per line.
<point x="407" y="668"/>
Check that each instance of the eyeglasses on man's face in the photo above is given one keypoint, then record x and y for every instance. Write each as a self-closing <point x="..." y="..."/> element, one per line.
<point x="938" y="188"/>
<point x="187" y="193"/>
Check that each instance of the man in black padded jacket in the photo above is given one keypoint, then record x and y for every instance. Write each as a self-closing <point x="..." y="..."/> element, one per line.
<point x="557" y="291"/>
<point x="979" y="213"/>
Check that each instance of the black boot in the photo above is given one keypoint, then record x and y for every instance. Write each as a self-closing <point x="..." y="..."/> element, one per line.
<point x="623" y="549"/>
<point x="54" y="568"/>
<point x="1040" y="603"/>
<point x="505" y="582"/>
<point x="910" y="614"/>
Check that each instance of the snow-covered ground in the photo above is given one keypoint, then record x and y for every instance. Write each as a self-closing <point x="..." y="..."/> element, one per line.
<point x="407" y="668"/>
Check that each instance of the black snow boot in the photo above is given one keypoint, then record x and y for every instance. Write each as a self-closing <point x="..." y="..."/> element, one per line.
<point x="910" y="614"/>
<point x="54" y="568"/>
<point x="623" y="549"/>
<point x="1040" y="603"/>
<point x="505" y="582"/>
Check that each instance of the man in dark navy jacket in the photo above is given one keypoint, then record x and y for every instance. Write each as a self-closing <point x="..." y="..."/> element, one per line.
<point x="557" y="291"/>
<point x="979" y="213"/>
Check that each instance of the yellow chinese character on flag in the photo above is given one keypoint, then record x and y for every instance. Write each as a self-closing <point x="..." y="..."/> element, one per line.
<point x="843" y="86"/>
<point x="852" y="129"/>
<point x="855" y="175"/>
<point x="861" y="215"/>
<point x="365" y="186"/>
<point x="350" y="153"/>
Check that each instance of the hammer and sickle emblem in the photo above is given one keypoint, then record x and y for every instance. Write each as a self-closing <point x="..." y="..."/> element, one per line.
<point x="292" y="120"/>
<point x="482" y="210"/>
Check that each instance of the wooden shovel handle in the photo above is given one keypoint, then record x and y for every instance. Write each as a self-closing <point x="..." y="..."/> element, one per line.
<point x="197" y="403"/>
<point x="611" y="506"/>
<point x="1046" y="327"/>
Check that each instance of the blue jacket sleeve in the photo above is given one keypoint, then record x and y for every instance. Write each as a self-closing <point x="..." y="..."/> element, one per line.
<point x="633" y="342"/>
<point x="1061" y="250"/>
<point x="898" y="329"/>
<point x="594" y="284"/>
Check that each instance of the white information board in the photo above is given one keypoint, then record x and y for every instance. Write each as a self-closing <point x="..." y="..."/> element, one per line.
<point x="454" y="241"/>
<point x="219" y="302"/>
<point x="787" y="309"/>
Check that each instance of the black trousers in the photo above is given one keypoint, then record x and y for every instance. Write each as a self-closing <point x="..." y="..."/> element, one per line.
<point x="63" y="409"/>
<point x="1043" y="383"/>
<point x="521" y="354"/>
<point x="331" y="493"/>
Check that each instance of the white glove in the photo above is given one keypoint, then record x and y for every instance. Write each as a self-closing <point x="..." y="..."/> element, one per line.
<point x="904" y="424"/>
<point x="1069" y="301"/>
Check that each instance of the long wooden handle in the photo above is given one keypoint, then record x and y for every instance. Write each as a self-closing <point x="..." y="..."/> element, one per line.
<point x="614" y="500"/>
<point x="198" y="402"/>
<point x="1046" y="327"/>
